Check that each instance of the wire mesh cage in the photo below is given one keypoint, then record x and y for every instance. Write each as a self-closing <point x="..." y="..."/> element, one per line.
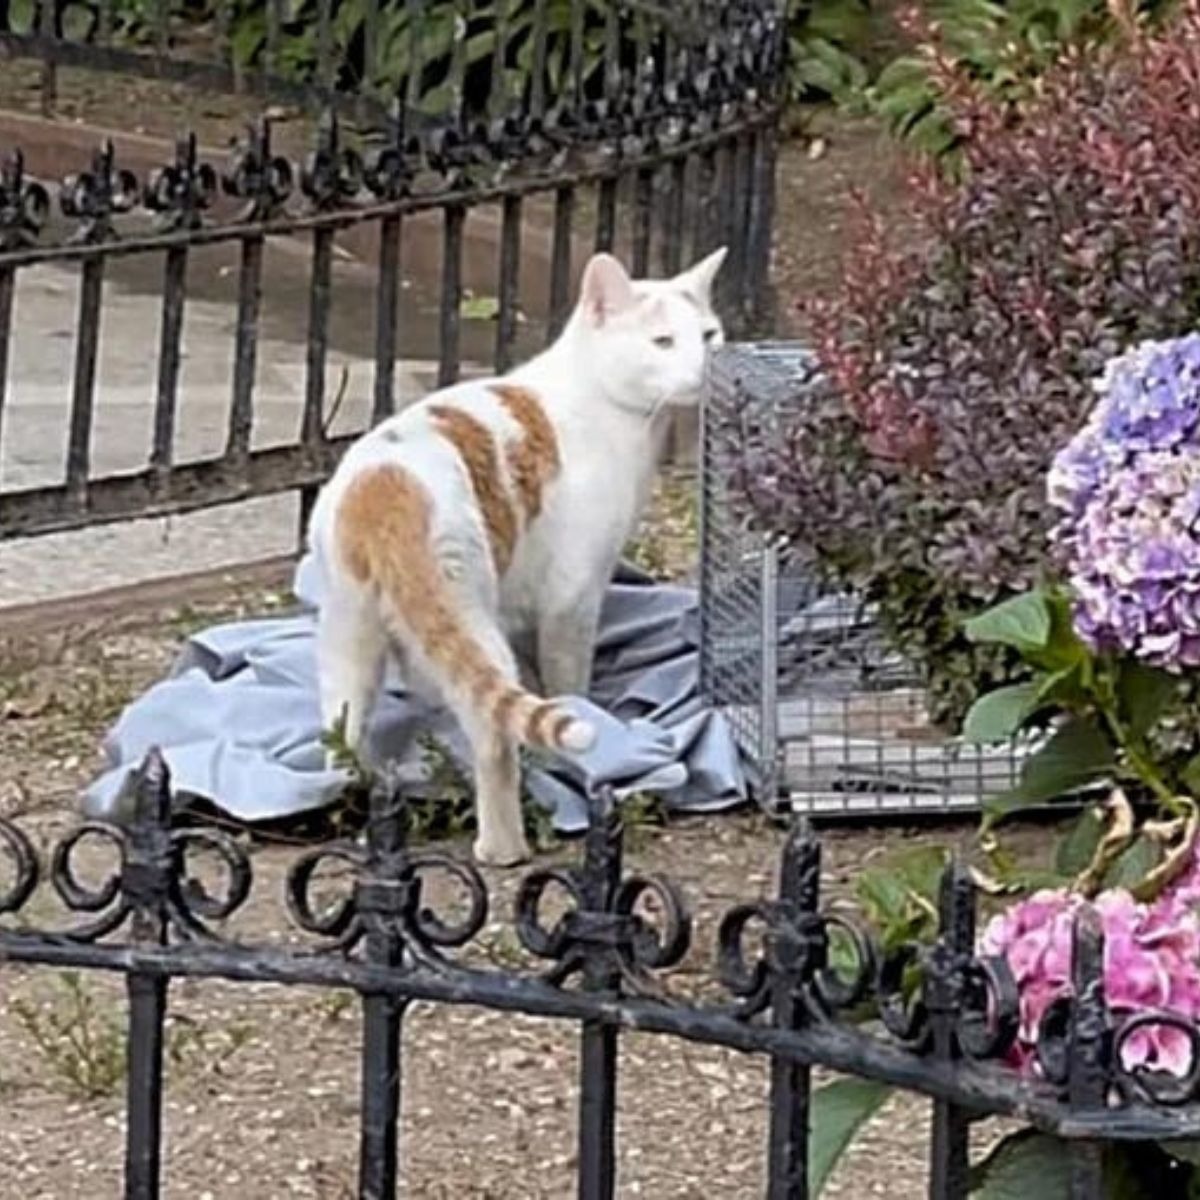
<point x="830" y="719"/>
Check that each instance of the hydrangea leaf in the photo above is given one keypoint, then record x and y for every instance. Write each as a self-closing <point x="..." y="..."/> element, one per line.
<point x="839" y="1110"/>
<point x="1078" y="848"/>
<point x="1022" y="622"/>
<point x="1000" y="714"/>
<point x="1144" y="692"/>
<point x="1078" y="754"/>
<point x="1028" y="1165"/>
<point x="1134" y="865"/>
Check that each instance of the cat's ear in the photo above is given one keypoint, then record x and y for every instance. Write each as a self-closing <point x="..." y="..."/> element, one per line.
<point x="698" y="280"/>
<point x="606" y="289"/>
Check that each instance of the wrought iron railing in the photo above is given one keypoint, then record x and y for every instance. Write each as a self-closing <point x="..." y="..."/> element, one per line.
<point x="804" y="985"/>
<point x="658" y="137"/>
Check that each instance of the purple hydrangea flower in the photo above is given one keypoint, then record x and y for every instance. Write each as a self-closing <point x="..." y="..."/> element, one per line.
<point x="1128" y="485"/>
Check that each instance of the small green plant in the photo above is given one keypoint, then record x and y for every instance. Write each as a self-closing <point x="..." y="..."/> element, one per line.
<point x="82" y="1037"/>
<point x="333" y="1006"/>
<point x="642" y="813"/>
<point x="81" y="1040"/>
<point x="446" y="809"/>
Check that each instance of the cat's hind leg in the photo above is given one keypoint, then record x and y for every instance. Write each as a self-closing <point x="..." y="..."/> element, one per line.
<point x="352" y="647"/>
<point x="500" y="840"/>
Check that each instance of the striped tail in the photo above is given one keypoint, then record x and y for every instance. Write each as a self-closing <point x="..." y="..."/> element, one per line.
<point x="383" y="535"/>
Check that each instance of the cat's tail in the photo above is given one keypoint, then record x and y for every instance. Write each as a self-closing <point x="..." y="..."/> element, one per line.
<point x="384" y="540"/>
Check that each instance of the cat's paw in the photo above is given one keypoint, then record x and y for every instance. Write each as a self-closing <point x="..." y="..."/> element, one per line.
<point x="501" y="852"/>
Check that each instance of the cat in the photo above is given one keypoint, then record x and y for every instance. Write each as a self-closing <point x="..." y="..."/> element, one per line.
<point x="497" y="508"/>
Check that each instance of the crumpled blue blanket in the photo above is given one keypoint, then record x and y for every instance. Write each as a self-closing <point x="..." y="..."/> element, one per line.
<point x="238" y="718"/>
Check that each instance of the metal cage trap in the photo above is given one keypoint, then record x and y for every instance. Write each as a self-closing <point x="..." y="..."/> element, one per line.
<point x="831" y="721"/>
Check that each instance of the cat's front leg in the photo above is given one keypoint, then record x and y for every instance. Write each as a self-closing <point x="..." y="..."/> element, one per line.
<point x="566" y="644"/>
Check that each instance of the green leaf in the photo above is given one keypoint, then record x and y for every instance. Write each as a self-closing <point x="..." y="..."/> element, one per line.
<point x="899" y="896"/>
<point x="1000" y="714"/>
<point x="1022" y="622"/>
<point x="1189" y="1152"/>
<point x="839" y="1110"/>
<point x="22" y="16"/>
<point x="1024" y="1166"/>
<point x="1079" y="753"/>
<point x="479" y="308"/>
<point x="1143" y="694"/>
<point x="1078" y="848"/>
<point x="1134" y="865"/>
<point x="1189" y="777"/>
<point x="1032" y="1166"/>
<point x="1063" y="648"/>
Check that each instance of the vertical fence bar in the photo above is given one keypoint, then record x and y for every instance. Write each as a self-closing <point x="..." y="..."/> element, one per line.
<point x="457" y="79"/>
<point x="162" y="29"/>
<point x="578" y="60"/>
<point x="454" y="217"/>
<point x="370" y="47"/>
<point x="104" y="22"/>
<point x="537" y="82"/>
<point x="643" y="216"/>
<point x="738" y="264"/>
<point x="498" y="92"/>
<point x="600" y="878"/>
<point x="245" y="352"/>
<point x="791" y="1083"/>
<point x="949" y="1175"/>
<point x="223" y="27"/>
<point x="706" y="229"/>
<point x="149" y="868"/>
<point x="509" y="285"/>
<point x="317" y="353"/>
<point x="272" y="45"/>
<point x="325" y="65"/>
<point x="380" y="900"/>
<point x="672" y="240"/>
<point x="83" y="389"/>
<point x="560" y="261"/>
<point x="47" y="24"/>
<point x="415" y="10"/>
<point x="606" y="212"/>
<point x="608" y="189"/>
<point x="1087" y="1080"/>
<point x="726" y="287"/>
<point x="312" y="429"/>
<point x="760" y="222"/>
<point x="387" y="312"/>
<point x="170" y="337"/>
<point x="8" y="287"/>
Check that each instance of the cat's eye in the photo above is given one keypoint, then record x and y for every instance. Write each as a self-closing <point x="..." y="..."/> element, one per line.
<point x="709" y="334"/>
<point x="665" y="342"/>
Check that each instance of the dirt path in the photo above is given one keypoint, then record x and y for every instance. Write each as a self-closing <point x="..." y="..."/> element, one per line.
<point x="262" y="1097"/>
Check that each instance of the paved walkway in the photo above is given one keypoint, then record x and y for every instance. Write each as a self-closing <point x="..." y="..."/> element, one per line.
<point x="33" y="442"/>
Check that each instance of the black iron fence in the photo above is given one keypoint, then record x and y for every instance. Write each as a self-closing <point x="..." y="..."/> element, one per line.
<point x="803" y="985"/>
<point x="624" y="125"/>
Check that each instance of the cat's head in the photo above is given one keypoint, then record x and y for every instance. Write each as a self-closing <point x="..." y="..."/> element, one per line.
<point x="650" y="338"/>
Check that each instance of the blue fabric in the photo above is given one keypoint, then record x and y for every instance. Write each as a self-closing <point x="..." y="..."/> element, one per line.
<point x="238" y="718"/>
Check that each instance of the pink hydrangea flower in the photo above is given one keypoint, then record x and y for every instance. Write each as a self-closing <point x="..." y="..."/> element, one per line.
<point x="1151" y="962"/>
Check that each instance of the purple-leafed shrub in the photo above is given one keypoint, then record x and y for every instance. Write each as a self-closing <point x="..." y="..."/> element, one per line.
<point x="956" y="365"/>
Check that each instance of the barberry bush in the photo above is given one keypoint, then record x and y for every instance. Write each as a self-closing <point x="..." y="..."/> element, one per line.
<point x="956" y="364"/>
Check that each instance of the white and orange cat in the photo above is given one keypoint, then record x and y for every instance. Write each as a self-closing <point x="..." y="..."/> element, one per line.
<point x="500" y="507"/>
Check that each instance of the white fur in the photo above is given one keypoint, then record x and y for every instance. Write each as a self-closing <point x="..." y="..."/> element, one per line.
<point x="606" y="385"/>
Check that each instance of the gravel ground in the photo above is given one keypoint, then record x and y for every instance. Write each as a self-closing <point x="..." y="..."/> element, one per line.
<point x="262" y="1093"/>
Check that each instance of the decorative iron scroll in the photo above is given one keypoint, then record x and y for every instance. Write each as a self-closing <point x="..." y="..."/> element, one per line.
<point x="912" y="1011"/>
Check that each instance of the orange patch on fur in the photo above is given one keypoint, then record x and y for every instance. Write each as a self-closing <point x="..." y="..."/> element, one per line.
<point x="383" y="537"/>
<point x="533" y="459"/>
<point x="383" y="524"/>
<point x="379" y="510"/>
<point x="477" y="449"/>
